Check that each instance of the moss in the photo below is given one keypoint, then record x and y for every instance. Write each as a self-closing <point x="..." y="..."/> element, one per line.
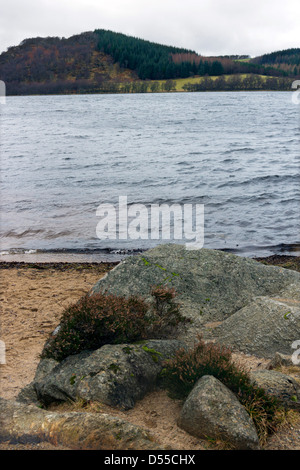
<point x="169" y="278"/>
<point x="160" y="267"/>
<point x="72" y="379"/>
<point x="154" y="354"/>
<point x="127" y="349"/>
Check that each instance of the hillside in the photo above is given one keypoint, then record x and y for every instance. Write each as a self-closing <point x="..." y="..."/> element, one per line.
<point x="107" y="62"/>
<point x="287" y="60"/>
<point x="54" y="65"/>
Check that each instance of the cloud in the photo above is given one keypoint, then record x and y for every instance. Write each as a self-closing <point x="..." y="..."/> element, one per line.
<point x="211" y="27"/>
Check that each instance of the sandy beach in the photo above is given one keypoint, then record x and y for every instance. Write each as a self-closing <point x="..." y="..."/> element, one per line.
<point x="33" y="298"/>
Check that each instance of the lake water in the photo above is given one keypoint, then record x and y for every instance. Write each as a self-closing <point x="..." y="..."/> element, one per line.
<point x="63" y="156"/>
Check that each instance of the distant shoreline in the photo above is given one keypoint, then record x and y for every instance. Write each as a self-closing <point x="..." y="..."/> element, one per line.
<point x="152" y="93"/>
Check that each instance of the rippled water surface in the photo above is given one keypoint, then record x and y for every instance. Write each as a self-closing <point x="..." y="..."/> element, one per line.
<point x="236" y="153"/>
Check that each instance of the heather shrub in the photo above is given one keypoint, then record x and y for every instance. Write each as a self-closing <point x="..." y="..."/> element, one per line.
<point x="181" y="373"/>
<point x="100" y="319"/>
<point x="165" y="315"/>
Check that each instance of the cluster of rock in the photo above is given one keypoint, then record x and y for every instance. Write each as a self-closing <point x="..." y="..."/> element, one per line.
<point x="119" y="375"/>
<point x="116" y="375"/>
<point x="235" y="301"/>
<point x="257" y="307"/>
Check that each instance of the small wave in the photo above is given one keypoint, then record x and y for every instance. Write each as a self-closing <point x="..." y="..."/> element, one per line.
<point x="25" y="233"/>
<point x="293" y="249"/>
<point x="17" y="251"/>
<point x="52" y="235"/>
<point x="79" y="136"/>
<point x="259" y="179"/>
<point x="241" y="149"/>
<point x="29" y="233"/>
<point x="87" y="251"/>
<point x="229" y="160"/>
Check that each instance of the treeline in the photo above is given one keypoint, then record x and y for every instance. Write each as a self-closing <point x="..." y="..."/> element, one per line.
<point x="89" y="86"/>
<point x="238" y="83"/>
<point x="287" y="56"/>
<point x="51" y="88"/>
<point x="145" y="87"/>
<point x="228" y="83"/>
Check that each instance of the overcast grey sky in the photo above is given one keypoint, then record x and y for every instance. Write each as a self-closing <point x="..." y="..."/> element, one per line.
<point x="210" y="27"/>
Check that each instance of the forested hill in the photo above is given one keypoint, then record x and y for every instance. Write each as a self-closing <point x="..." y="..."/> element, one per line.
<point x="105" y="61"/>
<point x="150" y="60"/>
<point x="287" y="60"/>
<point x="59" y="65"/>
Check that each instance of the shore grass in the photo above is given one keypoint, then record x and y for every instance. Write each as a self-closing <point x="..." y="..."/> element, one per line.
<point x="287" y="262"/>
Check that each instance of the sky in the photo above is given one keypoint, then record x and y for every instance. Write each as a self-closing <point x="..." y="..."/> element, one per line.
<point x="209" y="27"/>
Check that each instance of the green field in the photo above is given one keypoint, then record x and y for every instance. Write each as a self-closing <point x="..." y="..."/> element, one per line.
<point x="180" y="82"/>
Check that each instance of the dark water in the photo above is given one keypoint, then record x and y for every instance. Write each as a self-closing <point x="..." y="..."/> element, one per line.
<point x="62" y="156"/>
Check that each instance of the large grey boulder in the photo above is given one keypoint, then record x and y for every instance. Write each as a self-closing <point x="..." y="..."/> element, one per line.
<point x="212" y="285"/>
<point x="117" y="375"/>
<point x="264" y="327"/>
<point x="212" y="410"/>
<point x="282" y="386"/>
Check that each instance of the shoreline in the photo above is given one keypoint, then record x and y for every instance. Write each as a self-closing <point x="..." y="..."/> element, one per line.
<point x="287" y="261"/>
<point x="58" y="265"/>
<point x="150" y="92"/>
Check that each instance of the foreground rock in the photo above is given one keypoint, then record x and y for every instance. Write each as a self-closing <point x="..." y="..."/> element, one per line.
<point x="213" y="286"/>
<point x="212" y="411"/>
<point x="282" y="386"/>
<point x="117" y="375"/>
<point x="264" y="327"/>
<point x="27" y="423"/>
